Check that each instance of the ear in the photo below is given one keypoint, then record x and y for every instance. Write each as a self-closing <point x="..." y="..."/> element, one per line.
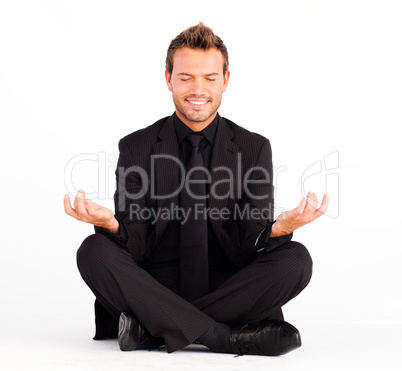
<point x="225" y="81"/>
<point x="168" y="78"/>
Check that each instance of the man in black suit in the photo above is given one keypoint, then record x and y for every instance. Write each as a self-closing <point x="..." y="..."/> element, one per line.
<point x="192" y="252"/>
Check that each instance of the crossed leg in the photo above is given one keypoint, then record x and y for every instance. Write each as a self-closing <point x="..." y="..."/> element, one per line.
<point x="256" y="292"/>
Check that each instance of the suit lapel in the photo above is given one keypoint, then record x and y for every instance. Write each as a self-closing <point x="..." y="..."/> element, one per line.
<point x="224" y="171"/>
<point x="166" y="173"/>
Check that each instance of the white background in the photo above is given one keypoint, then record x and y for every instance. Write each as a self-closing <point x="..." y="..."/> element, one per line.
<point x="318" y="78"/>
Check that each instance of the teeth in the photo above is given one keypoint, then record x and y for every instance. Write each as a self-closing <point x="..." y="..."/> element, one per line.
<point x="196" y="102"/>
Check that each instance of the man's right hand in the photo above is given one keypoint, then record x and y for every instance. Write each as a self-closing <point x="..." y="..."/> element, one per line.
<point x="87" y="211"/>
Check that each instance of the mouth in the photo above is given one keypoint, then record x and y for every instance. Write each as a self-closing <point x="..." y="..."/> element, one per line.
<point x="197" y="103"/>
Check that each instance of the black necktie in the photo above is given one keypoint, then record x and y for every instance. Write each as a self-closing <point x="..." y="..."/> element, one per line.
<point x="194" y="278"/>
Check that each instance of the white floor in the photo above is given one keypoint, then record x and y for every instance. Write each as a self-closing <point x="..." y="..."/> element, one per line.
<point x="55" y="344"/>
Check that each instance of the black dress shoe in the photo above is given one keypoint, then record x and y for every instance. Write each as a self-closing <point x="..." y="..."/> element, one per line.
<point x="132" y="336"/>
<point x="269" y="338"/>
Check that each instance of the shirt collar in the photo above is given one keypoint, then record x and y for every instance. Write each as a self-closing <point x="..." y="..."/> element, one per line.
<point x="182" y="130"/>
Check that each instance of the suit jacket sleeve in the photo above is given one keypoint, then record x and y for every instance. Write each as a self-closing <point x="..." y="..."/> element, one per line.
<point x="128" y="198"/>
<point x="259" y="199"/>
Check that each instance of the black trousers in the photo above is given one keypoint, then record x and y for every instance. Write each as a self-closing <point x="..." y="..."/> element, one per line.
<point x="251" y="295"/>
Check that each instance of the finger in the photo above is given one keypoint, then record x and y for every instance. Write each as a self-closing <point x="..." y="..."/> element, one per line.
<point x="85" y="200"/>
<point x="78" y="197"/>
<point x="79" y="204"/>
<point x="315" y="201"/>
<point x="312" y="201"/>
<point x="90" y="206"/>
<point x="301" y="206"/>
<point x="324" y="206"/>
<point x="67" y="207"/>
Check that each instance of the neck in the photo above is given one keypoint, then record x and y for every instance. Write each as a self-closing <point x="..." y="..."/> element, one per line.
<point x="193" y="125"/>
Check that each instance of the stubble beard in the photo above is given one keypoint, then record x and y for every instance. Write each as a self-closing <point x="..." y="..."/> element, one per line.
<point x="193" y="115"/>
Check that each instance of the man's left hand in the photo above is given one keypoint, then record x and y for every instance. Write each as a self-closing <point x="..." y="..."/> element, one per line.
<point x="305" y="213"/>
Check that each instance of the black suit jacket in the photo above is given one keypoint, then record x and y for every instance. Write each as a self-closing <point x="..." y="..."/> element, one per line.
<point x="236" y="151"/>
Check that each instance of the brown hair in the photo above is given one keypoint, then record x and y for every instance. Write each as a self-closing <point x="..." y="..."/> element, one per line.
<point x="197" y="37"/>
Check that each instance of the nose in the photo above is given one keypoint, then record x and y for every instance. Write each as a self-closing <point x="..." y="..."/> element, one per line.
<point x="197" y="87"/>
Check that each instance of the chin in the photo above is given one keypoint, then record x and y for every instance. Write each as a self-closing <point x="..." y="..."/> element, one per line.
<point x="193" y="118"/>
<point x="198" y="118"/>
<point x="193" y="115"/>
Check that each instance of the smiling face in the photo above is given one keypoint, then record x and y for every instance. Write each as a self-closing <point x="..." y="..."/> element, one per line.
<point x="197" y="84"/>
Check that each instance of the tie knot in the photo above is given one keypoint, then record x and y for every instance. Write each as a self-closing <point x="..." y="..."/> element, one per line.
<point x="195" y="139"/>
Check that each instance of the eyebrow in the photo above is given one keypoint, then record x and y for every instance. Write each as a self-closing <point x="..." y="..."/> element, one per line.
<point x="188" y="74"/>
